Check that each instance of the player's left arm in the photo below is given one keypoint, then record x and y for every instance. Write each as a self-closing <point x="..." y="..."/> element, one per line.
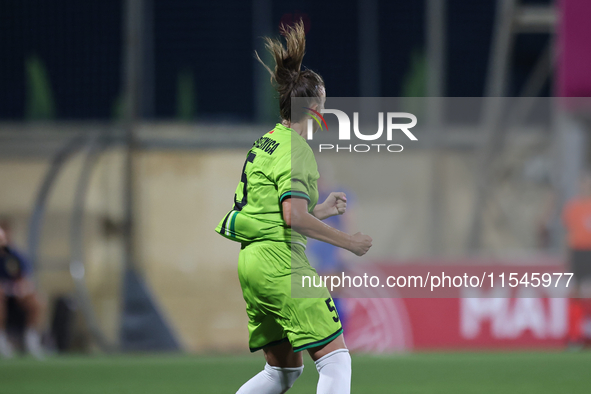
<point x="335" y="204"/>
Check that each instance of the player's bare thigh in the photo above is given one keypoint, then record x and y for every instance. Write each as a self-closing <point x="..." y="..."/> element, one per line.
<point x="283" y="356"/>
<point x="320" y="351"/>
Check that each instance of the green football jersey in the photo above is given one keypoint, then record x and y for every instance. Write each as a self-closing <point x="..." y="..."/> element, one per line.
<point x="279" y="165"/>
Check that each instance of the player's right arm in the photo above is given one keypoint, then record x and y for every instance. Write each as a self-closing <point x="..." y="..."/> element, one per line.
<point x="296" y="216"/>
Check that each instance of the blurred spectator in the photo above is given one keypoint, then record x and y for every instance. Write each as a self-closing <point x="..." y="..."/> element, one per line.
<point x="544" y="225"/>
<point x="577" y="221"/>
<point x="15" y="282"/>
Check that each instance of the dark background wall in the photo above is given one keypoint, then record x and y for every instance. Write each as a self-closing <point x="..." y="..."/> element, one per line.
<point x="79" y="44"/>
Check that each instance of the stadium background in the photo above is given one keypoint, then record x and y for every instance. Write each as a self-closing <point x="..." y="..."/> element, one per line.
<point x="123" y="126"/>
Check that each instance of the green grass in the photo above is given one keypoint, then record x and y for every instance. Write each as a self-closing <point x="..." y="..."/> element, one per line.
<point x="413" y="373"/>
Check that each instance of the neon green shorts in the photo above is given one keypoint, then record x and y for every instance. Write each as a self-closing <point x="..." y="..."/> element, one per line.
<point x="265" y="273"/>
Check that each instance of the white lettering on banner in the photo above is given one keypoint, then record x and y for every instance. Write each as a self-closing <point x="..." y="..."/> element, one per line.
<point x="474" y="311"/>
<point x="528" y="314"/>
<point x="511" y="318"/>
<point x="557" y="317"/>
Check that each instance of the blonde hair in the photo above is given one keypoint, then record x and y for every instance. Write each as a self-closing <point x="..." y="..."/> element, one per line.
<point x="287" y="76"/>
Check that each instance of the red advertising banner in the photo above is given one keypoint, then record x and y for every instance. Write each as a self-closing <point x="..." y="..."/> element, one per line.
<point x="473" y="319"/>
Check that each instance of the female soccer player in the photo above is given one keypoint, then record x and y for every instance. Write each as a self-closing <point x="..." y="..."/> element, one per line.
<point x="275" y="209"/>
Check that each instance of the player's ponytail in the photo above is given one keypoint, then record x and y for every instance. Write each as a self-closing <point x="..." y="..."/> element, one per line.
<point x="288" y="77"/>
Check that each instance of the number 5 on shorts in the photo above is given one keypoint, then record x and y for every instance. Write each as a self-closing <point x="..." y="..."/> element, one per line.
<point x="332" y="309"/>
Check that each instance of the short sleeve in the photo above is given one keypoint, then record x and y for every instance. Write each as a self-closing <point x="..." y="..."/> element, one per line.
<point x="294" y="172"/>
<point x="23" y="262"/>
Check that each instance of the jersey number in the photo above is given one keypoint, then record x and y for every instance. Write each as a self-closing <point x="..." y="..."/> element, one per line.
<point x="238" y="205"/>
<point x="332" y="309"/>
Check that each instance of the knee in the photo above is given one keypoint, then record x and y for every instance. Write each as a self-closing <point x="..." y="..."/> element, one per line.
<point x="338" y="361"/>
<point x="335" y="372"/>
<point x="285" y="376"/>
<point x="274" y="380"/>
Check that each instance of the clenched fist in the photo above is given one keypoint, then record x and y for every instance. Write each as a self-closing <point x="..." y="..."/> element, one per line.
<point x="335" y="204"/>
<point x="360" y="244"/>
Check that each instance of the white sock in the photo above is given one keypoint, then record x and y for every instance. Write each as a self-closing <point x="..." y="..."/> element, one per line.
<point x="271" y="380"/>
<point x="5" y="347"/>
<point x="335" y="373"/>
<point x="33" y="343"/>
